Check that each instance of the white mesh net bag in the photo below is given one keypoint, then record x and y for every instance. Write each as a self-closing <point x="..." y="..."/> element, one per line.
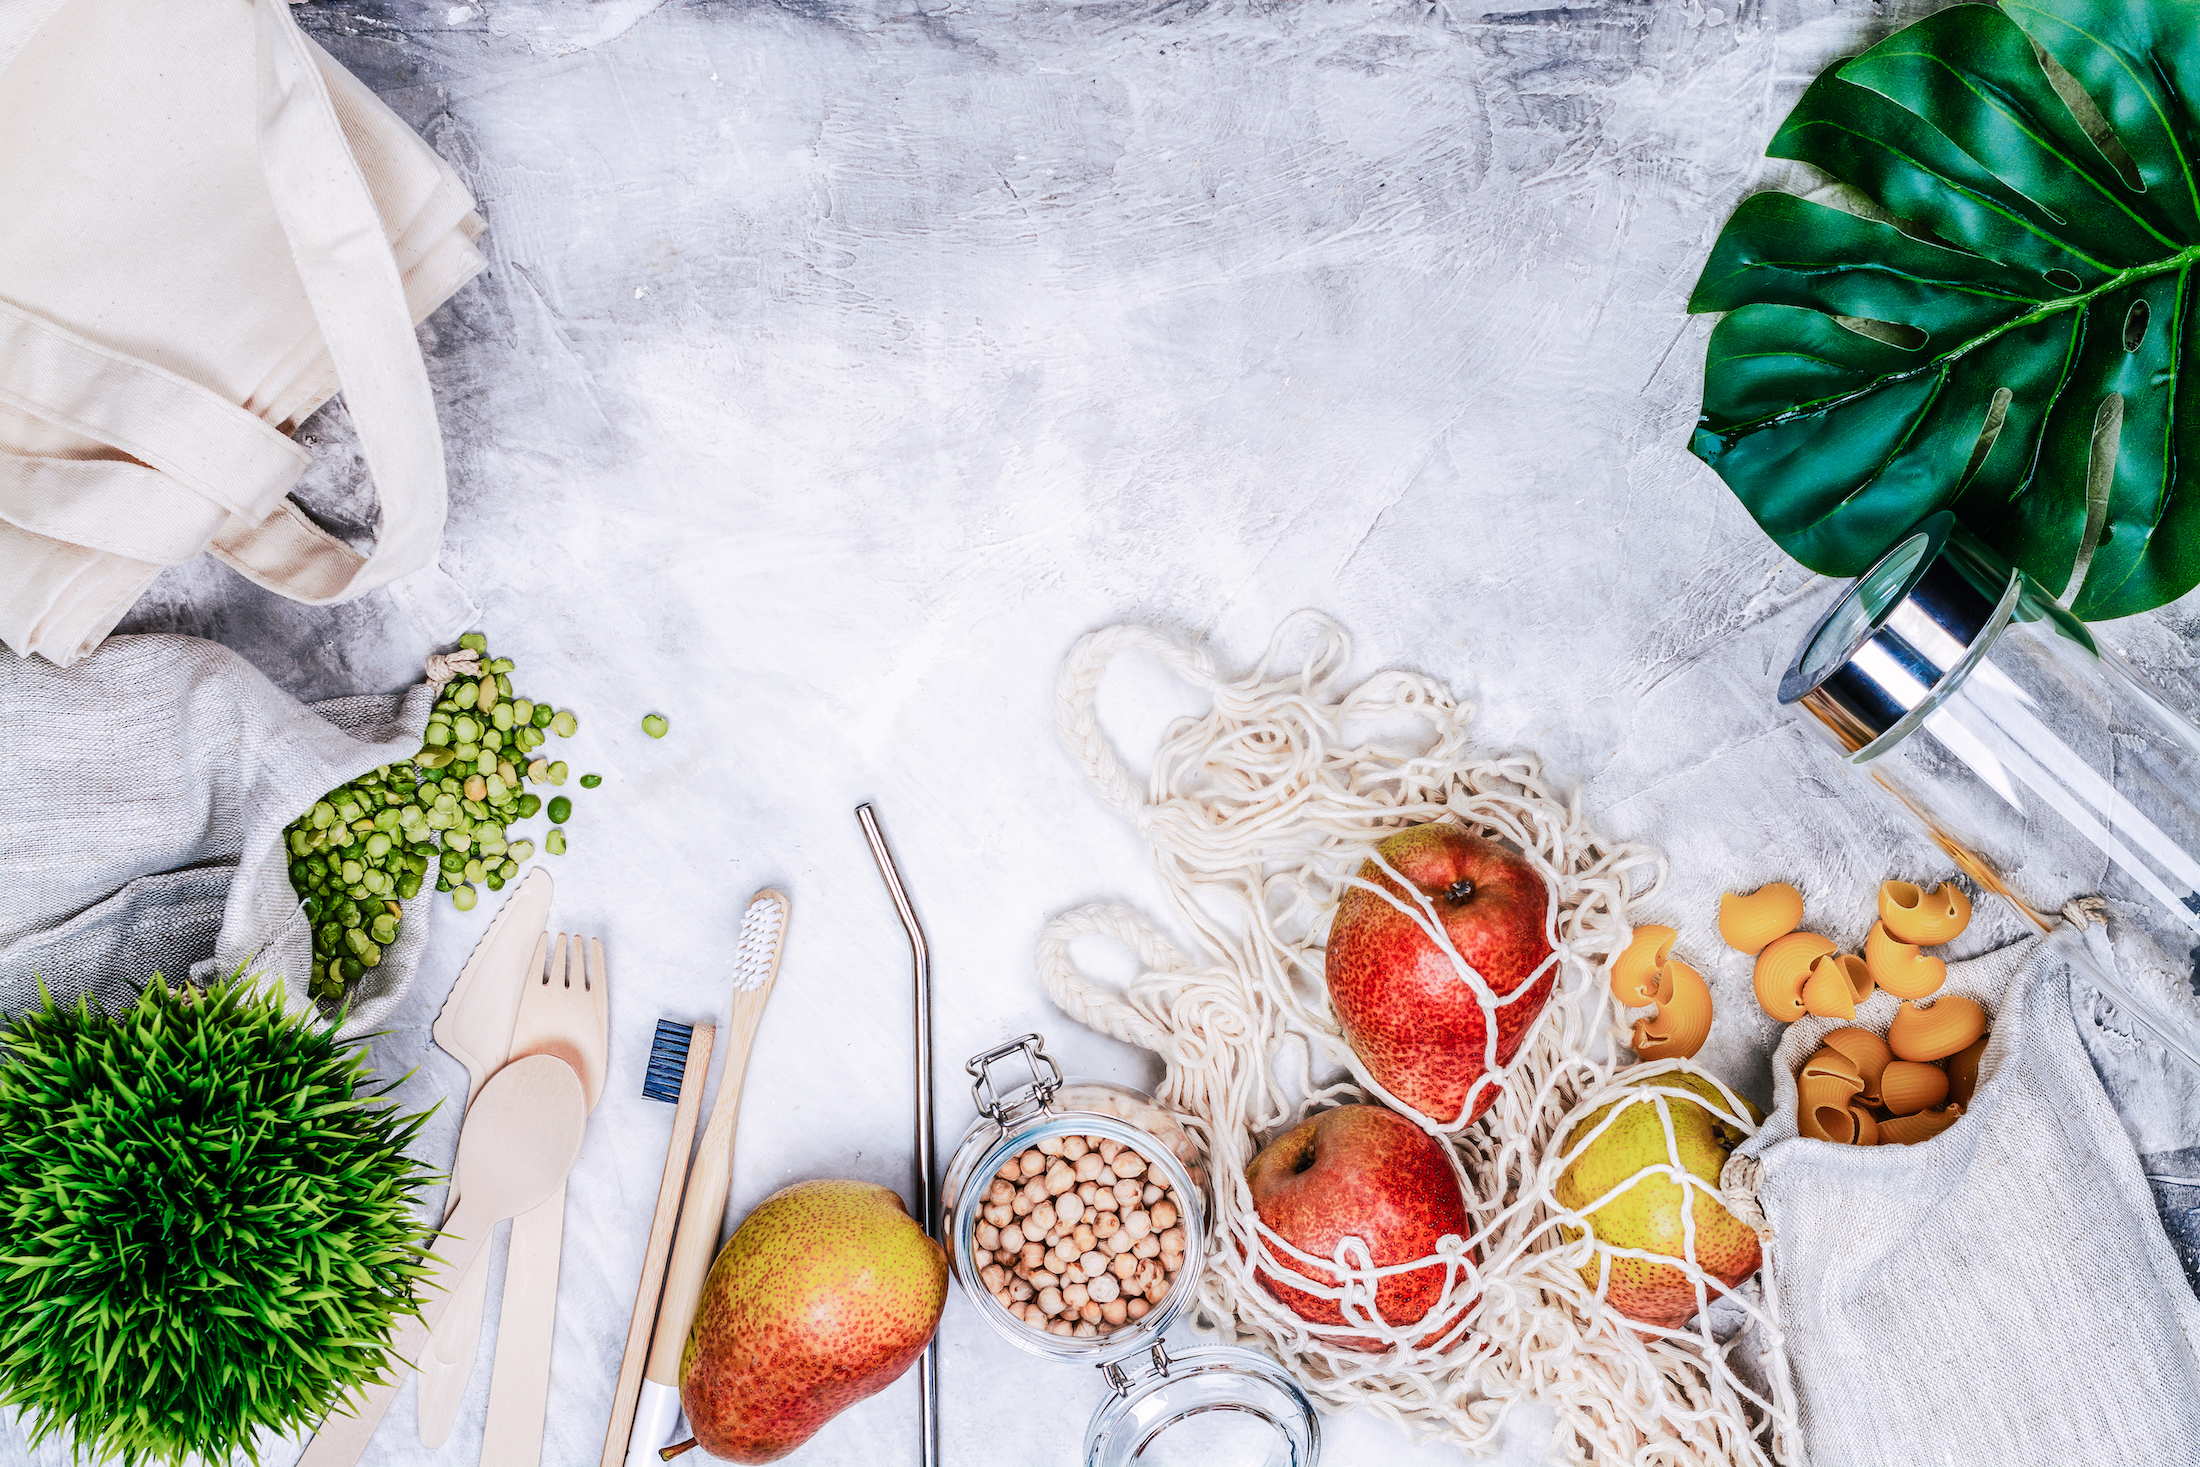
<point x="1259" y="815"/>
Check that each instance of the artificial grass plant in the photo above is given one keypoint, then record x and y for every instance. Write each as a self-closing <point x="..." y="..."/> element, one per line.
<point x="207" y="1222"/>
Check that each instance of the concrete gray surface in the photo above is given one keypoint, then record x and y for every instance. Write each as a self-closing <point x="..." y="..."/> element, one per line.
<point x="839" y="364"/>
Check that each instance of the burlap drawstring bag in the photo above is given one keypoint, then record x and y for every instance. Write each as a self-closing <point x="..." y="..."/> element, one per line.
<point x="2001" y="1295"/>
<point x="1258" y="814"/>
<point x="142" y="815"/>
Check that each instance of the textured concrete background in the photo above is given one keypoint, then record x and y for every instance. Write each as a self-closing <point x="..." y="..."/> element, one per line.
<point x="838" y="364"/>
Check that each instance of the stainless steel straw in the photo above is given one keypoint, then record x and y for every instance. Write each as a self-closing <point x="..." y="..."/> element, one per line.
<point x="928" y="1372"/>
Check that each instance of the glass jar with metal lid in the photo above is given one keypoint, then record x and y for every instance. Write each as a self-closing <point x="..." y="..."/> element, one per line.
<point x="1216" y="1405"/>
<point x="2034" y="756"/>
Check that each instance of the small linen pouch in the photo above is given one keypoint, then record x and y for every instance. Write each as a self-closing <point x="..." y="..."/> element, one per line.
<point x="2000" y="1295"/>
<point x="141" y="822"/>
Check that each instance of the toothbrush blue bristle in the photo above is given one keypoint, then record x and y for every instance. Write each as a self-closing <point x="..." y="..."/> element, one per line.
<point x="668" y="1054"/>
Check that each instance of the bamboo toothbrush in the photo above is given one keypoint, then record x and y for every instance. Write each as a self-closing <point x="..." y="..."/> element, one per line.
<point x="679" y="1058"/>
<point x="755" y="969"/>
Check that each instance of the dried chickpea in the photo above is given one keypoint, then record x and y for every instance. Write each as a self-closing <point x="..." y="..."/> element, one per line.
<point x="1012" y="1170"/>
<point x="1086" y="1236"/>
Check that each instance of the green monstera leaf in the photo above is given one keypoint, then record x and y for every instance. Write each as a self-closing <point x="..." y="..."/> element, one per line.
<point x="1972" y="352"/>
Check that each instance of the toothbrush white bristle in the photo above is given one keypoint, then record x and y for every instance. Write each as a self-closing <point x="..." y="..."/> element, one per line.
<point x="763" y="926"/>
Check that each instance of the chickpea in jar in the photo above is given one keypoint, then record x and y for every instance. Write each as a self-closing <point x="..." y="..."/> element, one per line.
<point x="1079" y="1237"/>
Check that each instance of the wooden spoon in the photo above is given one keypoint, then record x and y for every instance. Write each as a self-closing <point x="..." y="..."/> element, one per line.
<point x="521" y="1136"/>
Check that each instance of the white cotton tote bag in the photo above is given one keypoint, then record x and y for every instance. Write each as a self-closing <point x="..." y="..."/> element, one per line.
<point x="212" y="228"/>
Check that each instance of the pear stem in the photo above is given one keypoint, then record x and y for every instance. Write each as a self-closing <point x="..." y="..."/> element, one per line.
<point x="668" y="1453"/>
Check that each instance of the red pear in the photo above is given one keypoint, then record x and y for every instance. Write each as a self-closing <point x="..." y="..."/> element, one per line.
<point x="825" y="1294"/>
<point x="1405" y="1010"/>
<point x="1365" y="1172"/>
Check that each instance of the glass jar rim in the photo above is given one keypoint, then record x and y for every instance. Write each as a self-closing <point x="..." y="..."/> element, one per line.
<point x="1208" y="1378"/>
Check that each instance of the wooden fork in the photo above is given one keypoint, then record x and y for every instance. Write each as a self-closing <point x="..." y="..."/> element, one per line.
<point x="565" y="1011"/>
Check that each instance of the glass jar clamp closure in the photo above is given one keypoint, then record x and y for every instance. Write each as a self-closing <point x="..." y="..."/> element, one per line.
<point x="2029" y="751"/>
<point x="1217" y="1406"/>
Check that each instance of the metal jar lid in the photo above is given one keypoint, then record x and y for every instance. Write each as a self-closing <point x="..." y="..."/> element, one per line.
<point x="1904" y="635"/>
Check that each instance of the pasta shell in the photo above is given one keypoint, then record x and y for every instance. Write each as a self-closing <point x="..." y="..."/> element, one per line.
<point x="1963" y="1071"/>
<point x="1782" y="969"/>
<point x="1635" y="973"/>
<point x="1899" y="967"/>
<point x="1847" y="1125"/>
<point x="1923" y="918"/>
<point x="1935" y="1033"/>
<point x="1832" y="1065"/>
<point x="1748" y="923"/>
<point x="1683" y="1020"/>
<point x="1924" y="1126"/>
<point x="1838" y="982"/>
<point x="1870" y="1055"/>
<point x="1910" y="1087"/>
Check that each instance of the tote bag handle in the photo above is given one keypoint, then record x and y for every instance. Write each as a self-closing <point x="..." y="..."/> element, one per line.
<point x="213" y="464"/>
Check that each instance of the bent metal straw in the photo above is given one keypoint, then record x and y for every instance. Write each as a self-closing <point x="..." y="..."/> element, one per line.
<point x="928" y="1374"/>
